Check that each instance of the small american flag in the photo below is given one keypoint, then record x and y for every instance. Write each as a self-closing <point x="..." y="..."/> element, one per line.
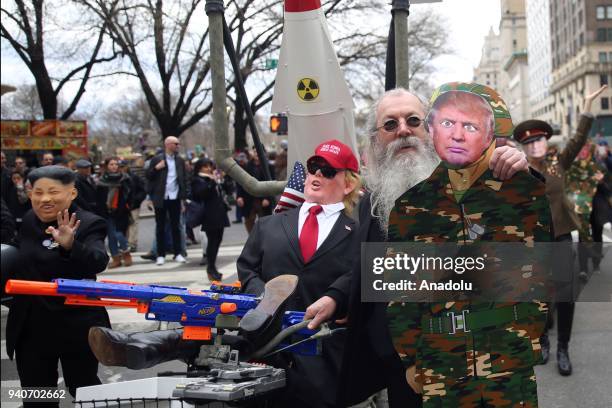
<point x="293" y="195"/>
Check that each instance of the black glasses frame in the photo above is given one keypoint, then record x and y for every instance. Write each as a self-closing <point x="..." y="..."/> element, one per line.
<point x="391" y="125"/>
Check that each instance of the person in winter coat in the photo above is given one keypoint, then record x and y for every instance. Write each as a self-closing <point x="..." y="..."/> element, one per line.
<point x="115" y="188"/>
<point x="208" y="188"/>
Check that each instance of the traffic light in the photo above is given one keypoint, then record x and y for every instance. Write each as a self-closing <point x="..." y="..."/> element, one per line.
<point x="278" y="124"/>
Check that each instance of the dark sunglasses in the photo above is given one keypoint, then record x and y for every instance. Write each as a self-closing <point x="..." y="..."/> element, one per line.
<point x="391" y="125"/>
<point x="327" y="171"/>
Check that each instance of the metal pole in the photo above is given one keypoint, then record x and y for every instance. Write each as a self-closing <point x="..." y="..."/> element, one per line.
<point x="400" y="11"/>
<point x="231" y="53"/>
<point x="214" y="10"/>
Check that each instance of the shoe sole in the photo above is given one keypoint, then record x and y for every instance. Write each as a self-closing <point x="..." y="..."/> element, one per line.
<point x="276" y="293"/>
<point x="108" y="352"/>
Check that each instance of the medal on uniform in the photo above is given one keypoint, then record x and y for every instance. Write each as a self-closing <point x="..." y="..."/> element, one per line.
<point x="49" y="243"/>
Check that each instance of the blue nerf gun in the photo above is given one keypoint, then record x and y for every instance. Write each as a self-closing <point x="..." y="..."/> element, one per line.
<point x="198" y="311"/>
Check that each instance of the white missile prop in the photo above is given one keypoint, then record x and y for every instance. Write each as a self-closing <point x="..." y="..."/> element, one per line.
<point x="310" y="87"/>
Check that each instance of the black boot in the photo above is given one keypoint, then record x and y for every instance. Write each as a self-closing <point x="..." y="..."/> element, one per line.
<point x="545" y="343"/>
<point x="213" y="274"/>
<point x="563" y="361"/>
<point x="261" y="324"/>
<point x="140" y="350"/>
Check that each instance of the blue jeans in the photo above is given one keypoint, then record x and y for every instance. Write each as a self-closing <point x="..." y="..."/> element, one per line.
<point x="168" y="236"/>
<point x="116" y="239"/>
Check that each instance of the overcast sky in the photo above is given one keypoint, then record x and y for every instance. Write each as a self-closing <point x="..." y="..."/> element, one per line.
<point x="469" y="22"/>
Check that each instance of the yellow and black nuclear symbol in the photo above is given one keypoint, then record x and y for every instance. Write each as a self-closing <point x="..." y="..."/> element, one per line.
<point x="308" y="89"/>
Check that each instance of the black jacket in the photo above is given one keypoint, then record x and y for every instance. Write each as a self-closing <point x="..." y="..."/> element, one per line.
<point x="7" y="225"/>
<point x="85" y="260"/>
<point x="87" y="197"/>
<point x="157" y="179"/>
<point x="120" y="213"/>
<point x="272" y="249"/>
<point x="370" y="361"/>
<point x="207" y="191"/>
<point x="257" y="172"/>
<point x="139" y="191"/>
<point x="6" y="184"/>
<point x="17" y="208"/>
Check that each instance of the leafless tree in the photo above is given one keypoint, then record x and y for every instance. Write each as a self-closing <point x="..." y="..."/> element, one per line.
<point x="361" y="49"/>
<point x="57" y="45"/>
<point x="167" y="47"/>
<point x="22" y="104"/>
<point x="126" y="123"/>
<point x="427" y="39"/>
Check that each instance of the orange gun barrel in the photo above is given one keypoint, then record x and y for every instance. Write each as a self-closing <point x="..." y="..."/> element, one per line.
<point x="22" y="287"/>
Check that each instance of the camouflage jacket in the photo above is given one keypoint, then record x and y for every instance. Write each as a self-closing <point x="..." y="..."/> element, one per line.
<point x="514" y="210"/>
<point x="581" y="185"/>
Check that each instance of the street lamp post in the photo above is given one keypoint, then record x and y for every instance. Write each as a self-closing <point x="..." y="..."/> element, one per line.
<point x="400" y="9"/>
<point x="214" y="9"/>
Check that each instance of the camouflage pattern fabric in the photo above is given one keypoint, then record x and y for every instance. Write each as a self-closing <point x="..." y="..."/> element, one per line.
<point x="581" y="185"/>
<point x="503" y="120"/>
<point x="492" y="365"/>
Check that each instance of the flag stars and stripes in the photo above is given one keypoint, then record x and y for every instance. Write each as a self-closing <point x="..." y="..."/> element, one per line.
<point x="293" y="195"/>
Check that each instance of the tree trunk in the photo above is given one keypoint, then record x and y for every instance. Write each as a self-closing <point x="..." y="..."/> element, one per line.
<point x="168" y="127"/>
<point x="46" y="94"/>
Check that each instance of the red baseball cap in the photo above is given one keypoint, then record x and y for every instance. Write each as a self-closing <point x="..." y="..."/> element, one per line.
<point x="337" y="154"/>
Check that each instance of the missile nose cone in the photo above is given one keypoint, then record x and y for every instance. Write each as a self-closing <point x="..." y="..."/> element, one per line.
<point x="298" y="6"/>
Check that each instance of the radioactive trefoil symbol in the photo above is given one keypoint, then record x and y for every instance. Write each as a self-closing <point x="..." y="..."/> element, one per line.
<point x="307" y="89"/>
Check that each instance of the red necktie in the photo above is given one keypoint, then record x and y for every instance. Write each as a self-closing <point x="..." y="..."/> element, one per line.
<point x="310" y="233"/>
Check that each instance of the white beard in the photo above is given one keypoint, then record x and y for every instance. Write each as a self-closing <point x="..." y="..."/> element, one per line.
<point x="390" y="174"/>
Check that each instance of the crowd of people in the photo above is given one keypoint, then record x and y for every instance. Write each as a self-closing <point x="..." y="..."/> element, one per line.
<point x="449" y="173"/>
<point x="183" y="193"/>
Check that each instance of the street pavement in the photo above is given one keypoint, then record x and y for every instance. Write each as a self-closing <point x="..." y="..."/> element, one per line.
<point x="591" y="348"/>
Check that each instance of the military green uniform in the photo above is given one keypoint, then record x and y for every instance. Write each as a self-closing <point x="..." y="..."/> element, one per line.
<point x="494" y="364"/>
<point x="491" y="360"/>
<point x="581" y="185"/>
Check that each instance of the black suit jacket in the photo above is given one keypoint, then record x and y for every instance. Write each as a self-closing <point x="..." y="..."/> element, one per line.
<point x="272" y="250"/>
<point x="87" y="258"/>
<point x="370" y="361"/>
<point x="87" y="197"/>
<point x="157" y="179"/>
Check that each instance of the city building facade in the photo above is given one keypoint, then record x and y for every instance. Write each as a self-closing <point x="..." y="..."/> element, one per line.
<point x="581" y="49"/>
<point x="541" y="101"/>
<point x="488" y="71"/>
<point x="514" y="83"/>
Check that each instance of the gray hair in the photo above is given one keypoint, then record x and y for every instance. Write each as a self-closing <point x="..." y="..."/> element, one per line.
<point x="371" y="121"/>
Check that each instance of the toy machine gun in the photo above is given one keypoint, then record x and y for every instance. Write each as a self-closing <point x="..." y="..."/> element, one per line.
<point x="221" y="375"/>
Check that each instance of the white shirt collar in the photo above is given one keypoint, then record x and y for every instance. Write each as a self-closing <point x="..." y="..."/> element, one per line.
<point x="328" y="209"/>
